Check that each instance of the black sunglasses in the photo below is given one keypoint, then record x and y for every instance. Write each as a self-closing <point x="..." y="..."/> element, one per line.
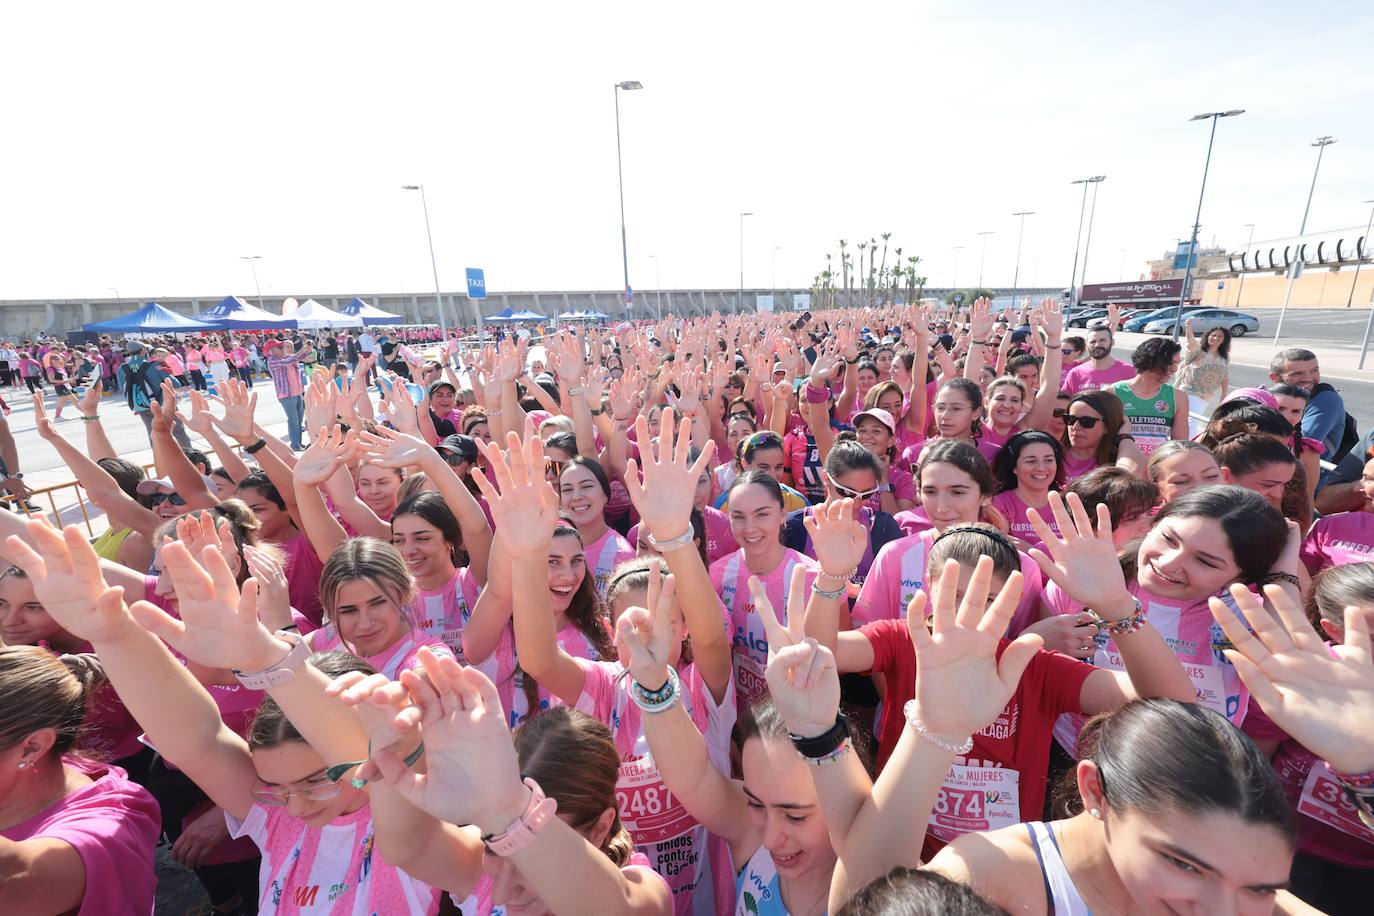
<point x="158" y="499"/>
<point x="1085" y="422"/>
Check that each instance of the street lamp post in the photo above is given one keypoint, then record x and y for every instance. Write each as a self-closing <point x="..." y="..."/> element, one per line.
<point x="1361" y="252"/>
<point x="739" y="305"/>
<point x="983" y="258"/>
<point x="1088" y="242"/>
<point x="957" y="249"/>
<point x="434" y="266"/>
<point x="627" y="85"/>
<point x="251" y="259"/>
<point x="1016" y="273"/>
<point x="1321" y="143"/>
<point x="1240" y="287"/>
<point x="1191" y="256"/>
<point x="116" y="292"/>
<point x="1078" y="236"/>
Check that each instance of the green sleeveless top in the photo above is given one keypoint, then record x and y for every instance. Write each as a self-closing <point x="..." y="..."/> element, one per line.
<point x="1151" y="419"/>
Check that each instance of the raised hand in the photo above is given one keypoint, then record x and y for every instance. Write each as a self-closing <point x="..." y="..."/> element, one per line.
<point x="383" y="706"/>
<point x="838" y="538"/>
<point x="394" y="449"/>
<point x="1052" y="316"/>
<point x="321" y="401"/>
<point x="961" y="685"/>
<point x="164" y="412"/>
<point x="802" y="678"/>
<point x="1082" y="561"/>
<point x="201" y="420"/>
<point x="201" y="530"/>
<point x="473" y="775"/>
<point x="90" y="401"/>
<point x="274" y="594"/>
<point x="664" y="499"/>
<point x="219" y="625"/>
<point x="41" y="421"/>
<point x="648" y="633"/>
<point x="1311" y="690"/>
<point x="398" y="409"/>
<point x="980" y="319"/>
<point x="239" y="405"/>
<point x="66" y="577"/>
<point x="329" y="450"/>
<point x="523" y="504"/>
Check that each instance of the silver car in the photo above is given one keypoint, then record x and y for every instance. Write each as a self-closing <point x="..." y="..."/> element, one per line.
<point x="1238" y="323"/>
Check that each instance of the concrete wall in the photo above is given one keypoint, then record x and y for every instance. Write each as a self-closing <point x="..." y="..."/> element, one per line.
<point x="27" y="317"/>
<point x="1316" y="288"/>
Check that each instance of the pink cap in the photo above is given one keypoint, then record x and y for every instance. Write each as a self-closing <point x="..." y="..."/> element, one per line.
<point x="1258" y="395"/>
<point x="882" y="416"/>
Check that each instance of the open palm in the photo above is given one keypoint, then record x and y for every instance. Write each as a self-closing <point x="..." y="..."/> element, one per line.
<point x="523" y="505"/>
<point x="664" y="500"/>
<point x="1081" y="561"/>
<point x="66" y="577"/>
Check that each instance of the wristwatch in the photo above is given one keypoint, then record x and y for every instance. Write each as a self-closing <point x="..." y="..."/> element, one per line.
<point x="280" y="673"/>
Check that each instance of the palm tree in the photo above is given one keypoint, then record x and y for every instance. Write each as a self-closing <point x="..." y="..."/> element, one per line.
<point x="885" y="236"/>
<point x="844" y="265"/>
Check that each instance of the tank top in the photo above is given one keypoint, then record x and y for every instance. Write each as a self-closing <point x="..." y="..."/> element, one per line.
<point x="758" y="891"/>
<point x="1061" y="897"/>
<point x="108" y="543"/>
<point x="1151" y="419"/>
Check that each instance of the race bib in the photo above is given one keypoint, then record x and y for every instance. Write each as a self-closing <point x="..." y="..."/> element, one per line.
<point x="1211" y="690"/>
<point x="749" y="680"/>
<point x="650" y="811"/>
<point x="974" y="800"/>
<point x="1324" y="799"/>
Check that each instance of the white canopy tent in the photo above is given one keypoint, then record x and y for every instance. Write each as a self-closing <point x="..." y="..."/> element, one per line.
<point x="310" y="314"/>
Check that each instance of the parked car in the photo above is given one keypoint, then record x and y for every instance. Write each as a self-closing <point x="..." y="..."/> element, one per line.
<point x="1137" y="322"/>
<point x="1081" y="319"/>
<point x="1204" y="320"/>
<point x="1123" y="316"/>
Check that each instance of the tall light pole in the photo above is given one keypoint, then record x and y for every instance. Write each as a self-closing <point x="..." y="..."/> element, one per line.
<point x="1088" y="242"/>
<point x="1240" y="287"/>
<point x="1078" y="236"/>
<point x="776" y="249"/>
<point x="1191" y="256"/>
<point x="1362" y="252"/>
<point x="251" y="259"/>
<point x="116" y="292"/>
<point x="1016" y="274"/>
<point x="957" y="249"/>
<point x="658" y="289"/>
<point x="1321" y="143"/>
<point x="983" y="258"/>
<point x="434" y="265"/>
<point x="739" y="305"/>
<point x="627" y="85"/>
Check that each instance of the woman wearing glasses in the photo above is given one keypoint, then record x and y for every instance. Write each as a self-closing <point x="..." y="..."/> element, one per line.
<point x="276" y="786"/>
<point x="1097" y="434"/>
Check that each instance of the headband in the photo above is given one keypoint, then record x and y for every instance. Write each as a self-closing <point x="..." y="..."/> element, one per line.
<point x="991" y="533"/>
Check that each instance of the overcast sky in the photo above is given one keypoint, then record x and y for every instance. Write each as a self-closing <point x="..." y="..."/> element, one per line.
<point x="147" y="146"/>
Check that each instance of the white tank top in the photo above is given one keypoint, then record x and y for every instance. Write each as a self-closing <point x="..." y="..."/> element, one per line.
<point x="1061" y="896"/>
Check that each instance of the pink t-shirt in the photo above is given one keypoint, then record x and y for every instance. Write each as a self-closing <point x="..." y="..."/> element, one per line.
<point x="1084" y="377"/>
<point x="303" y="568"/>
<point x="909" y="438"/>
<point x="1195" y="638"/>
<point x="720" y="540"/>
<point x="1014" y="508"/>
<point x="990" y="442"/>
<point x="327" y="870"/>
<point x="901" y="570"/>
<point x="110" y="731"/>
<point x="604" y="555"/>
<point x="173" y="364"/>
<point x="194" y="359"/>
<point x="400" y="656"/>
<point x="503" y="667"/>
<point x="113" y="824"/>
<point x="1075" y="468"/>
<point x="695" y="863"/>
<point x="479" y="902"/>
<point x="1347" y="537"/>
<point x="443" y="612"/>
<point x="903" y="487"/>
<point x="1327" y="823"/>
<point x="914" y="520"/>
<point x="749" y="643"/>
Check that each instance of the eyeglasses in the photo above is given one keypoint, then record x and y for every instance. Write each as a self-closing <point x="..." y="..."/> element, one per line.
<point x="1060" y="413"/>
<point x="554" y="467"/>
<point x="320" y="788"/>
<point x="158" y="499"/>
<point x="846" y="493"/>
<point x="1085" y="422"/>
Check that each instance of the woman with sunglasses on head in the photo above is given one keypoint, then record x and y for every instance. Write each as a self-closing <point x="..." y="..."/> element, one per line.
<point x="1027" y="468"/>
<point x="1097" y="434"/>
<point x="313" y="831"/>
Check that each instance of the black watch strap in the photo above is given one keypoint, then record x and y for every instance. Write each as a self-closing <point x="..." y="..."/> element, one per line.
<point x="825" y="743"/>
<point x="255" y="447"/>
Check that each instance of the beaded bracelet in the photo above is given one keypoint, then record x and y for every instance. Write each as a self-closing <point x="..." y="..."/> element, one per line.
<point x="660" y="700"/>
<point x="1124" y="626"/>
<point x="834" y="756"/>
<point x="944" y="744"/>
<point x="1288" y="577"/>
<point x="828" y="596"/>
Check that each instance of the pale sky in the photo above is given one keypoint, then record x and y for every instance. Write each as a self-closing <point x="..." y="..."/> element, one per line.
<point x="148" y="145"/>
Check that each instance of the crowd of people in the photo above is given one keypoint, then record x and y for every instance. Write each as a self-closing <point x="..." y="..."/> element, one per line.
<point x="876" y="611"/>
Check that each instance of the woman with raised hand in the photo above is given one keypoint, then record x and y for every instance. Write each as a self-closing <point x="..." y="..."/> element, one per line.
<point x="772" y="820"/>
<point x="275" y="787"/>
<point x="1304" y="695"/>
<point x="527" y="557"/>
<point x="583" y="490"/>
<point x="1200" y="544"/>
<point x="527" y="826"/>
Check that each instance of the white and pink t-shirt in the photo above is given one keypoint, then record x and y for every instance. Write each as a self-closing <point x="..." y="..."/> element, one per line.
<point x="333" y="869"/>
<point x="1084" y="377"/>
<point x="604" y="555"/>
<point x="400" y="656"/>
<point x="443" y="612"/>
<point x="695" y="863"/>
<point x="1014" y="508"/>
<point x="479" y="902"/>
<point x="1195" y="638"/>
<point x="748" y="640"/>
<point x="503" y="667"/>
<point x="113" y="824"/>
<point x="1347" y="537"/>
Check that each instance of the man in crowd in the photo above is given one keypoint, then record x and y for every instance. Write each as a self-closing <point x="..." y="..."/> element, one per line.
<point x="285" y="368"/>
<point x="1324" y="418"/>
<point x="1100" y="369"/>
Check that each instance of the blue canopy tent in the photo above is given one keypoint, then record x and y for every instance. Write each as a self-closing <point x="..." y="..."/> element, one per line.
<point x="151" y="318"/>
<point x="506" y="314"/>
<point x="527" y="315"/>
<point x="239" y="315"/>
<point x="370" y="314"/>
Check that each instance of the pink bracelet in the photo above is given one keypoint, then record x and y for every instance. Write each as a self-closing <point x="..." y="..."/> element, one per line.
<point x="520" y="834"/>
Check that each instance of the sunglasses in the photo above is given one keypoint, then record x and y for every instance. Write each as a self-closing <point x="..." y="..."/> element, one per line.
<point x="1068" y="351"/>
<point x="554" y="467"/>
<point x="453" y="459"/>
<point x="846" y="493"/>
<point x="158" y="499"/>
<point x="1085" y="422"/>
<point x="1060" y="413"/>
